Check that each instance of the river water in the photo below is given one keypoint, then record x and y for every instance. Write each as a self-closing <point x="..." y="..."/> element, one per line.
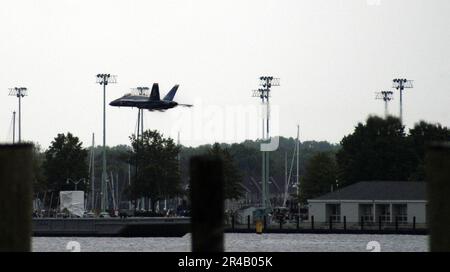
<point x="244" y="242"/>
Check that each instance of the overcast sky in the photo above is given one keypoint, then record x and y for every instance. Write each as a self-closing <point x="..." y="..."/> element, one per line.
<point x="332" y="56"/>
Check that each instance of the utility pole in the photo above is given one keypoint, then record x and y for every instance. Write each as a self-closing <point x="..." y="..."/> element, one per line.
<point x="401" y="84"/>
<point x="104" y="79"/>
<point x="266" y="82"/>
<point x="386" y="96"/>
<point x="19" y="92"/>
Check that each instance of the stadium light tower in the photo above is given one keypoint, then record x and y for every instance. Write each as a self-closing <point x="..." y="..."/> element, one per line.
<point x="141" y="91"/>
<point x="400" y="84"/>
<point x="19" y="92"/>
<point x="104" y="79"/>
<point x="266" y="82"/>
<point x="386" y="96"/>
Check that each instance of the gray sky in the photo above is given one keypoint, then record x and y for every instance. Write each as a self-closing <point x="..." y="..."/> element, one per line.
<point x="331" y="57"/>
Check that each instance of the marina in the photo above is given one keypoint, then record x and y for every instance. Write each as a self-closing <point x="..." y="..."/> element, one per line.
<point x="252" y="126"/>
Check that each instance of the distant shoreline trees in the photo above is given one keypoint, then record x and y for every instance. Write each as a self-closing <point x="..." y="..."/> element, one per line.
<point x="64" y="159"/>
<point x="381" y="150"/>
<point x="157" y="174"/>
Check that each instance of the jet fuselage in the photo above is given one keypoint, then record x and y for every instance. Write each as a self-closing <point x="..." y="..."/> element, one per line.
<point x="152" y="102"/>
<point x="143" y="102"/>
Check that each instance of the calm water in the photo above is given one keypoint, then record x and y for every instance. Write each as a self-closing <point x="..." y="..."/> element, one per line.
<point x="244" y="242"/>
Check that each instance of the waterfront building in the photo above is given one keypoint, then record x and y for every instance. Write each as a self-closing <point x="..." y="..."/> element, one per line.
<point x="372" y="202"/>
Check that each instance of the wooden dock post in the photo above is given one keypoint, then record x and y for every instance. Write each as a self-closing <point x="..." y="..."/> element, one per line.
<point x="345" y="223"/>
<point x="207" y="202"/>
<point x="15" y="197"/>
<point x="232" y="221"/>
<point x="437" y="167"/>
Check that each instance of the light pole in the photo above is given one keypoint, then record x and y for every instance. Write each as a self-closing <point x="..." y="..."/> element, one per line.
<point x="141" y="91"/>
<point x="75" y="182"/>
<point x="266" y="82"/>
<point x="19" y="92"/>
<point x="104" y="79"/>
<point x="386" y="96"/>
<point x="400" y="84"/>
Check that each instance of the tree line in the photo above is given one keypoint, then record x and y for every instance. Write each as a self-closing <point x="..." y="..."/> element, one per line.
<point x="379" y="150"/>
<point x="154" y="166"/>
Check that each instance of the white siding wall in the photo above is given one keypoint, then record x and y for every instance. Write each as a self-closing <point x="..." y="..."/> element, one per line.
<point x="317" y="210"/>
<point x="418" y="210"/>
<point x="350" y="210"/>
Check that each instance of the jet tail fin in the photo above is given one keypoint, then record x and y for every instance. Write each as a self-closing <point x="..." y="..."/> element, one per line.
<point x="171" y="94"/>
<point x="154" y="95"/>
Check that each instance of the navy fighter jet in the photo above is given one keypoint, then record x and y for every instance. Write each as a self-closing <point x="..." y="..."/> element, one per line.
<point x="152" y="102"/>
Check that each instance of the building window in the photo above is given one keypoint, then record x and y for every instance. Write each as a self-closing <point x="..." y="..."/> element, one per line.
<point x="366" y="212"/>
<point x="333" y="212"/>
<point x="383" y="212"/>
<point x="400" y="212"/>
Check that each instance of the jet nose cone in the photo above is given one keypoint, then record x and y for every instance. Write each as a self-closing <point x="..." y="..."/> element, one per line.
<point x="114" y="103"/>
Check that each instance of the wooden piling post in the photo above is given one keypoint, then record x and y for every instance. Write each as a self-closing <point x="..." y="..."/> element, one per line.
<point x="345" y="223"/>
<point x="437" y="167"/>
<point x="15" y="197"/>
<point x="207" y="202"/>
<point x="248" y="221"/>
<point x="232" y="222"/>
<point x="312" y="222"/>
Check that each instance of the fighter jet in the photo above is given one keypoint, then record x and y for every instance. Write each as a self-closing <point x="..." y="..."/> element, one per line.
<point x="152" y="102"/>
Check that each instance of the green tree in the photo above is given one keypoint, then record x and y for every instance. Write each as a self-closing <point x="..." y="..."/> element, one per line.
<point x="422" y="134"/>
<point x="65" y="158"/>
<point x="156" y="159"/>
<point x="320" y="175"/>
<point x="232" y="175"/>
<point x="377" y="150"/>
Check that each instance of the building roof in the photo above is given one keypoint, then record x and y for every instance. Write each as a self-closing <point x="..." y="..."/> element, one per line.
<point x="379" y="190"/>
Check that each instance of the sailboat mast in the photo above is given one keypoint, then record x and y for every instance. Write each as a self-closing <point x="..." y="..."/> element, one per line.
<point x="298" y="152"/>
<point x="14" y="127"/>
<point x="93" y="173"/>
<point x="129" y="183"/>
<point x="286" y="183"/>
